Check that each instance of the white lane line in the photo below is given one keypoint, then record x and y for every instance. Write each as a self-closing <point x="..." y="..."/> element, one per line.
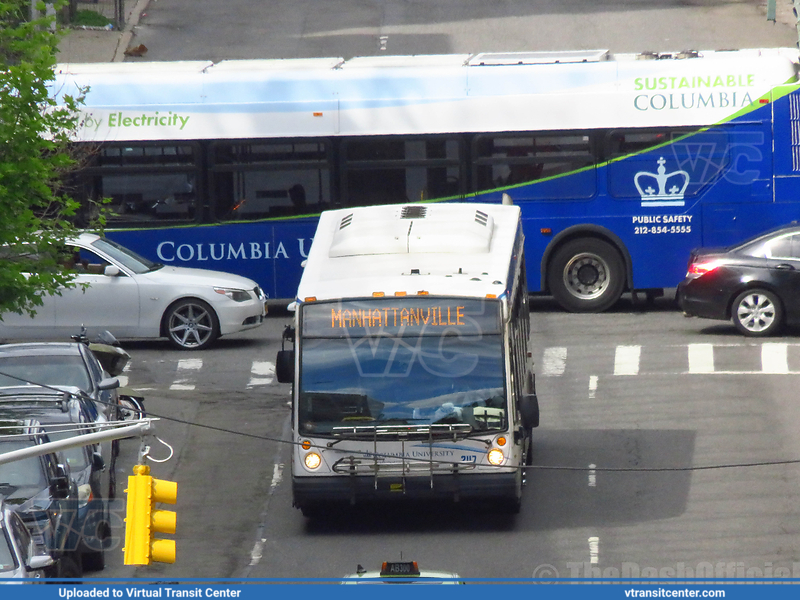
<point x="257" y="553"/>
<point x="701" y="358"/>
<point x="592" y="476"/>
<point x="594" y="550"/>
<point x="773" y="358"/>
<point x="626" y="360"/>
<point x="277" y="476"/>
<point x="592" y="385"/>
<point x="554" y="361"/>
<point x="263" y="373"/>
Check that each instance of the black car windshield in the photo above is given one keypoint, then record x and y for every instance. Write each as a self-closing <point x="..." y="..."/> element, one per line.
<point x="404" y="374"/>
<point x="64" y="370"/>
<point x="26" y="472"/>
<point x="76" y="457"/>
<point x="129" y="258"/>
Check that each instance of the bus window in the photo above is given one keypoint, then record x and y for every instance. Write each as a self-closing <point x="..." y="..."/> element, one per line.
<point x="262" y="179"/>
<point x="664" y="162"/>
<point x="145" y="183"/>
<point x="514" y="159"/>
<point x="396" y="170"/>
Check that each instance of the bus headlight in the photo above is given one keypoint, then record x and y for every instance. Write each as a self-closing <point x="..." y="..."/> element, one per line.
<point x="312" y="460"/>
<point x="495" y="456"/>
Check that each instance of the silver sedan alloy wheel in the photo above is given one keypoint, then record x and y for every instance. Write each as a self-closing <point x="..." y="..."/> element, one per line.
<point x="191" y="325"/>
<point x="757" y="313"/>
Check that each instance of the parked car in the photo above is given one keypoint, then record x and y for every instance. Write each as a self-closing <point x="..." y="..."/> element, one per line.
<point x="114" y="359"/>
<point x="61" y="364"/>
<point x="92" y="468"/>
<point x="755" y="284"/>
<point x="18" y="558"/>
<point x="40" y="490"/>
<point x="133" y="297"/>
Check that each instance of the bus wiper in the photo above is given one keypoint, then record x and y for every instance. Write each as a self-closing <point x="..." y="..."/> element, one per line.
<point x="375" y="423"/>
<point x="155" y="267"/>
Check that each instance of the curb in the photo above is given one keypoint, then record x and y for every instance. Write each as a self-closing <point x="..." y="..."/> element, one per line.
<point x="127" y="33"/>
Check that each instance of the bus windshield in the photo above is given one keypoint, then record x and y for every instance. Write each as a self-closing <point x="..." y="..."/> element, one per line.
<point x="377" y="363"/>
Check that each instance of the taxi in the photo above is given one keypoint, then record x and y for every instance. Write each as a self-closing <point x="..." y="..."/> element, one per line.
<point x="401" y="572"/>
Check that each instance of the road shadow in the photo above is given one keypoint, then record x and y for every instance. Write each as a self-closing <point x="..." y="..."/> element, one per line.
<point x="627" y="304"/>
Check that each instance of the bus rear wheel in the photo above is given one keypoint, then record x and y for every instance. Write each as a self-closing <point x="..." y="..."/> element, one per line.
<point x="586" y="275"/>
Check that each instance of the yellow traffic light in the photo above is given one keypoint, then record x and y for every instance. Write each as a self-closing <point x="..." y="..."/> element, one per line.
<point x="142" y="519"/>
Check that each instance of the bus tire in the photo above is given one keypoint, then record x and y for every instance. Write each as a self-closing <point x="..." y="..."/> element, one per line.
<point x="191" y="324"/>
<point x="586" y="275"/>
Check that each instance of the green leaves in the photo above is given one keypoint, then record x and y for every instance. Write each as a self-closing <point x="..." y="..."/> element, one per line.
<point x="35" y="156"/>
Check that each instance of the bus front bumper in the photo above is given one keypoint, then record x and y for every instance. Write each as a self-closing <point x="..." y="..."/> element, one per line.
<point x="356" y="489"/>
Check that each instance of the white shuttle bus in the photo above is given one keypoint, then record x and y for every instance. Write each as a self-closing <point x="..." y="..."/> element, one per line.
<point x="410" y="368"/>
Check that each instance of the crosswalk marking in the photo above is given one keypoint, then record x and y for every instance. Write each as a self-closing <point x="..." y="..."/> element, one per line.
<point x="555" y="361"/>
<point x="701" y="358"/>
<point x="774" y="358"/>
<point x="186" y="364"/>
<point x="190" y="364"/>
<point x="626" y="360"/>
<point x="262" y="372"/>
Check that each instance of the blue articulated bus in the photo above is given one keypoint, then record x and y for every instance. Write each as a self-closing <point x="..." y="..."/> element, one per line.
<point x="620" y="164"/>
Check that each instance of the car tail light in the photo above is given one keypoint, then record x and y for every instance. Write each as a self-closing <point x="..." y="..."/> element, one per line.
<point x="698" y="269"/>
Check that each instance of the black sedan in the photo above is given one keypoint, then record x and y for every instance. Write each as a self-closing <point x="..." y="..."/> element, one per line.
<point x="756" y="284"/>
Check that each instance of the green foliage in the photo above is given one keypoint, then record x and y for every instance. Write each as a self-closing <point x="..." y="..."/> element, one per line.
<point x="90" y="18"/>
<point x="35" y="217"/>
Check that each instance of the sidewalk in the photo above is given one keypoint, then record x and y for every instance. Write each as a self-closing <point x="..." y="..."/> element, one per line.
<point x="92" y="45"/>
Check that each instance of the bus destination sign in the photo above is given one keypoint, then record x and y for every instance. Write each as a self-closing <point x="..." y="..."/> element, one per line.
<point x="401" y="316"/>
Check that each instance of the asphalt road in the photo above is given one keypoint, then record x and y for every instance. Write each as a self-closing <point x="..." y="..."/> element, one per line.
<point x="628" y="389"/>
<point x="213" y="30"/>
<point x="688" y="402"/>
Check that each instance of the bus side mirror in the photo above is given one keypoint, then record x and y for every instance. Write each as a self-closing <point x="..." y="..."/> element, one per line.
<point x="529" y="409"/>
<point x="284" y="366"/>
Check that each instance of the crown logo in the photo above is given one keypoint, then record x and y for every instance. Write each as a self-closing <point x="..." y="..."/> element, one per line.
<point x="669" y="187"/>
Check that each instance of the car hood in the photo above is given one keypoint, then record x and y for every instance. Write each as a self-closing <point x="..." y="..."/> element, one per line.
<point x="202" y="277"/>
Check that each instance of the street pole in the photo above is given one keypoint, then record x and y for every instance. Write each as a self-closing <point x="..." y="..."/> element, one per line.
<point x="140" y="428"/>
